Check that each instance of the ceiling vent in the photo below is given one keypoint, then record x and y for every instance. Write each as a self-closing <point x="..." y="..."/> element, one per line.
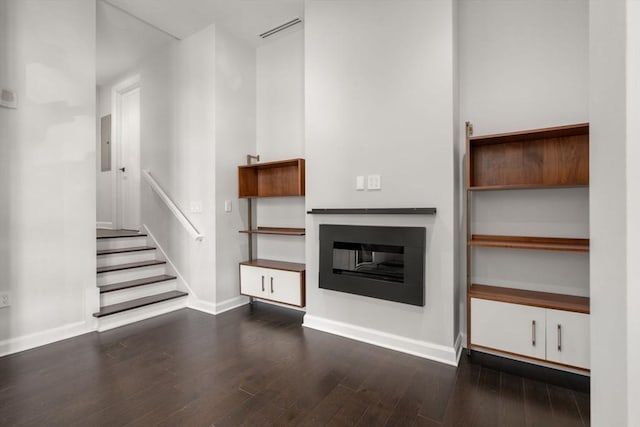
<point x="279" y="28"/>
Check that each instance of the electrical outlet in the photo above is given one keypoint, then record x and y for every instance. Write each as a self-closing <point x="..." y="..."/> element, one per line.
<point x="373" y="182"/>
<point x="4" y="299"/>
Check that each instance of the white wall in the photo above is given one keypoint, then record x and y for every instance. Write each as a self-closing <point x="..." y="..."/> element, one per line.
<point x="47" y="192"/>
<point x="379" y="100"/>
<point x="177" y="145"/>
<point x="524" y="65"/>
<point x="610" y="401"/>
<point x="235" y="105"/>
<point x="280" y="135"/>
<point x="104" y="180"/>
<point x="633" y="207"/>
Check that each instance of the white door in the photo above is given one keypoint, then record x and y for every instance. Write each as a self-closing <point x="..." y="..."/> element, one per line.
<point x="514" y="328"/>
<point x="129" y="162"/>
<point x="568" y="338"/>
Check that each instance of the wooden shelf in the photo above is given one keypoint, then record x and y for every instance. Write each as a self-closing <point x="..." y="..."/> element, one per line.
<point x="535" y="243"/>
<point x="281" y="231"/>
<point x="539" y="158"/>
<point x="522" y="187"/>
<point x="533" y="298"/>
<point x="272" y="179"/>
<point x="373" y="211"/>
<point x="276" y="265"/>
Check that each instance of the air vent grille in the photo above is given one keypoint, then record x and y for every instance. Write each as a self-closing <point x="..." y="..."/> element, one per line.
<point x="279" y="28"/>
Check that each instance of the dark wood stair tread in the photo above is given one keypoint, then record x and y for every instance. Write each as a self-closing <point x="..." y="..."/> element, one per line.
<point x="114" y="234"/>
<point x="137" y="303"/>
<point x="134" y="283"/>
<point x="125" y="250"/>
<point x="118" y="267"/>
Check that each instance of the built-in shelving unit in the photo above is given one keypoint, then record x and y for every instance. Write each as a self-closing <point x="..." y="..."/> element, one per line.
<point x="272" y="179"/>
<point x="271" y="280"/>
<point x="540" y="326"/>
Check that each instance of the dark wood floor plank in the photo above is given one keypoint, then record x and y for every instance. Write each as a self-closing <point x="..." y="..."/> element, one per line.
<point x="537" y="405"/>
<point x="511" y="404"/>
<point x="584" y="406"/>
<point x="257" y="366"/>
<point x="564" y="407"/>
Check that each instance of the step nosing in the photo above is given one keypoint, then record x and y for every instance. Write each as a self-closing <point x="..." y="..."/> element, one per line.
<point x="124" y="250"/>
<point x="138" y="303"/>
<point x="124" y="236"/>
<point x="141" y="264"/>
<point x="112" y="287"/>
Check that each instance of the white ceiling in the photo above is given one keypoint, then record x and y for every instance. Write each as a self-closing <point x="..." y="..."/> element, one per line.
<point x="128" y="30"/>
<point x="243" y="18"/>
<point x="122" y="41"/>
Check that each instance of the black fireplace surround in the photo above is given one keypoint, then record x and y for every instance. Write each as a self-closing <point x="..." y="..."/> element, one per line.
<point x="380" y="262"/>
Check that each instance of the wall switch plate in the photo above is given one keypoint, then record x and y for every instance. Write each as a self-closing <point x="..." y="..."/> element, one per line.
<point x="359" y="183"/>
<point x="5" y="300"/>
<point x="227" y="205"/>
<point x="196" y="206"/>
<point x="373" y="182"/>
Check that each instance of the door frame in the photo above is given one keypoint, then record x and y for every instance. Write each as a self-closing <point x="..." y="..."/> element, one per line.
<point x="117" y="93"/>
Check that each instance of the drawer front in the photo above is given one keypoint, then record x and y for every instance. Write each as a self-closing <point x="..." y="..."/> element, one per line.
<point x="568" y="338"/>
<point x="252" y="280"/>
<point x="285" y="286"/>
<point x="514" y="328"/>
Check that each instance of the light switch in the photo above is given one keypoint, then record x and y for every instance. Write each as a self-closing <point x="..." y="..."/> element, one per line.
<point x="227" y="205"/>
<point x="360" y="183"/>
<point x="373" y="182"/>
<point x="196" y="206"/>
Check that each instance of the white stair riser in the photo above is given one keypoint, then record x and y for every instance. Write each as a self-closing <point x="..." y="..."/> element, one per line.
<point x="130" y="274"/>
<point x="130" y="316"/>
<point x="125" y="258"/>
<point x="121" y="242"/>
<point x="116" y="297"/>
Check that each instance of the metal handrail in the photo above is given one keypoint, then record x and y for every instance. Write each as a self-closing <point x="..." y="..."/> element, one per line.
<point x="180" y="216"/>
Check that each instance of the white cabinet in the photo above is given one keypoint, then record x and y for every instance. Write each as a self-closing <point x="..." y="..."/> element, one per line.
<point x="272" y="284"/>
<point x="568" y="338"/>
<point x="556" y="336"/>
<point x="508" y="327"/>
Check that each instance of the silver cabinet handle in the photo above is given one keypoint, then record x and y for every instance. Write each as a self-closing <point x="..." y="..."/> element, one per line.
<point x="262" y="283"/>
<point x="272" y="285"/>
<point x="559" y="337"/>
<point x="533" y="333"/>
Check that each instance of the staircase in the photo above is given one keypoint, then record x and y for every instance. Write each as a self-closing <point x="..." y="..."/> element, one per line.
<point x="134" y="283"/>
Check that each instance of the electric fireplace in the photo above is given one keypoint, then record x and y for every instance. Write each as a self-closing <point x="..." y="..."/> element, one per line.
<point x="380" y="262"/>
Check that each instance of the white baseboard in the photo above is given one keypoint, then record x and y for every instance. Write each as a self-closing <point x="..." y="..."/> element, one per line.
<point x="218" y="308"/>
<point x="231" y="303"/>
<point x="104" y="224"/>
<point x="427" y="350"/>
<point x="26" y="342"/>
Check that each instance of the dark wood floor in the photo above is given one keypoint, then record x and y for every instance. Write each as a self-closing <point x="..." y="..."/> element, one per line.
<point x="260" y="367"/>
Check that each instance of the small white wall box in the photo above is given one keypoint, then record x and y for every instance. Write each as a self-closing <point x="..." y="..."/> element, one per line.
<point x="8" y="98"/>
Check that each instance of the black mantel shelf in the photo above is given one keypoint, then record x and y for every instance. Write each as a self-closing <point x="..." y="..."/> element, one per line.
<point x="374" y="211"/>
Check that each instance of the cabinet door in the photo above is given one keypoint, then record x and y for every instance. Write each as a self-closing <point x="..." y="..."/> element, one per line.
<point x="568" y="338"/>
<point x="514" y="328"/>
<point x="253" y="281"/>
<point x="284" y="286"/>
